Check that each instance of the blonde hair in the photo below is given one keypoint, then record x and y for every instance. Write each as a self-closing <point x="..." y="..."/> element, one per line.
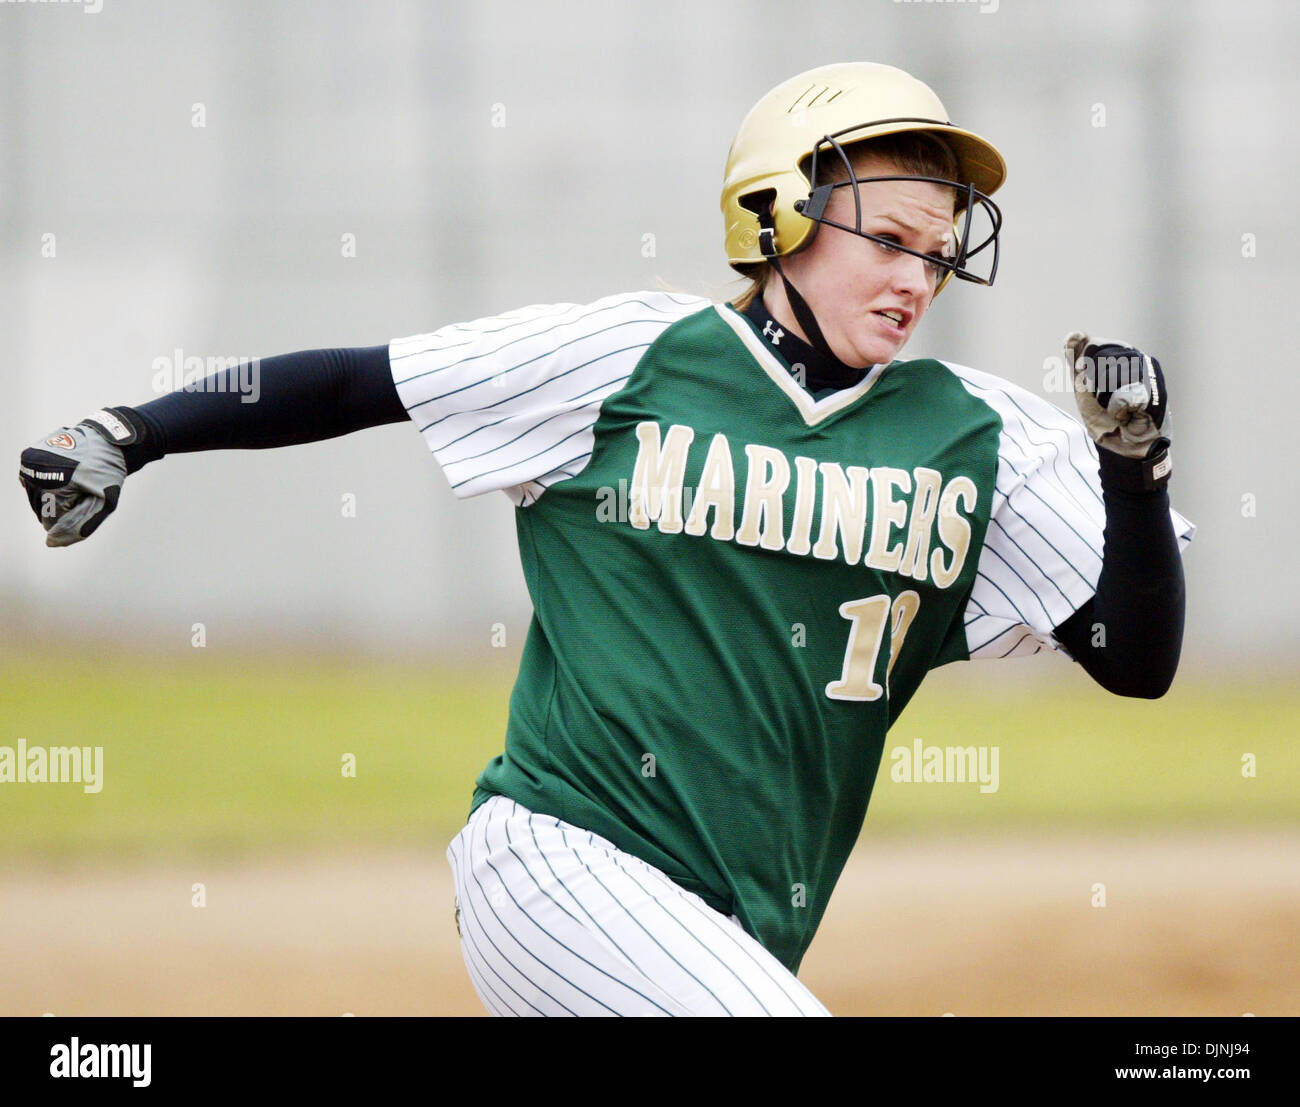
<point x="915" y="152"/>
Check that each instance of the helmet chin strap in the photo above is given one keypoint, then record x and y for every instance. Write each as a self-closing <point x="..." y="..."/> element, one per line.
<point x="802" y="312"/>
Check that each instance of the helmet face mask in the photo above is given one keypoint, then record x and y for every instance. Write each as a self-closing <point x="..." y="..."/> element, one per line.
<point x="968" y="200"/>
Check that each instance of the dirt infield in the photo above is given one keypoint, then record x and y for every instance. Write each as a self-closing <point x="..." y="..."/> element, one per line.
<point x="1193" y="925"/>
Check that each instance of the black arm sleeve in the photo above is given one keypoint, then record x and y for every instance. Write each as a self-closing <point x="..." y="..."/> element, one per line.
<point x="1129" y="635"/>
<point x="277" y="401"/>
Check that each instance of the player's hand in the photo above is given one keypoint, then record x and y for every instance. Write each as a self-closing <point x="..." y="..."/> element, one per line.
<point x="1121" y="394"/>
<point x="73" y="476"/>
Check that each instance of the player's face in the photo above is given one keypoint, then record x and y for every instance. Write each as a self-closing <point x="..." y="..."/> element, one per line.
<point x="851" y="283"/>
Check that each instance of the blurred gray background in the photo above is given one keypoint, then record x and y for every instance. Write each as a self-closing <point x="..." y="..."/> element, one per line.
<point x="377" y="120"/>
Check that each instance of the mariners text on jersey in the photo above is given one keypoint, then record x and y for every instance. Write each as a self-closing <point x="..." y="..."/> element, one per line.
<point x="839" y="495"/>
<point x="708" y="683"/>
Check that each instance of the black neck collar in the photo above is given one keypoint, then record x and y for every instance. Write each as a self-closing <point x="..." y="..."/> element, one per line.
<point x="819" y="371"/>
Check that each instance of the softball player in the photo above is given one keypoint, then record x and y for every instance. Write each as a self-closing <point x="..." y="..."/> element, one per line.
<point x="748" y="530"/>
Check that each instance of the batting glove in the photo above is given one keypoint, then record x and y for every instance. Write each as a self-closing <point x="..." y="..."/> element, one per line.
<point x="74" y="476"/>
<point x="1122" y="400"/>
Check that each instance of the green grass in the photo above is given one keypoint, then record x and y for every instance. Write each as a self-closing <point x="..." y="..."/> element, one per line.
<point x="1070" y="753"/>
<point x="202" y="755"/>
<point x="205" y="756"/>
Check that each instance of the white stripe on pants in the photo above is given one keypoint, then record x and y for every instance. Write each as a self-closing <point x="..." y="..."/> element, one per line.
<point x="554" y="920"/>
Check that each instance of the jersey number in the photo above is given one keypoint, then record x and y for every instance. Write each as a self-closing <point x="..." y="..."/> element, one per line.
<point x="869" y="617"/>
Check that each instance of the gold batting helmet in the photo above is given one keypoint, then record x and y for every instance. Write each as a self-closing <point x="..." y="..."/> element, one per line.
<point x="773" y="159"/>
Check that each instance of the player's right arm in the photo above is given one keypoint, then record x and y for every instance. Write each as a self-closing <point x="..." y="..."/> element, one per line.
<point x="505" y="403"/>
<point x="73" y="476"/>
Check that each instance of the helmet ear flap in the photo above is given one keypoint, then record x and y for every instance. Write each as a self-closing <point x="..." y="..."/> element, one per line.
<point x="762" y="203"/>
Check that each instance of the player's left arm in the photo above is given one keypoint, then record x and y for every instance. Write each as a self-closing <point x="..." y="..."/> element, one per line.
<point x="1128" y="636"/>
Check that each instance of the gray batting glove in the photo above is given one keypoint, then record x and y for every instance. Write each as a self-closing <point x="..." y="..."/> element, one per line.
<point x="1121" y="394"/>
<point x="74" y="476"/>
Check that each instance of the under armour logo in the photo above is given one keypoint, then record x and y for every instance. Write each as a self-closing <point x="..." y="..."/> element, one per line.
<point x="773" y="336"/>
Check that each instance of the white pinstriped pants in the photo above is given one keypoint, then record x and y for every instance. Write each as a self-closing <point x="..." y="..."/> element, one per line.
<point x="554" y="920"/>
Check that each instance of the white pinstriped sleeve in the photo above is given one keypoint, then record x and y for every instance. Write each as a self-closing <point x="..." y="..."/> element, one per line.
<point x="1042" y="553"/>
<point x="509" y="402"/>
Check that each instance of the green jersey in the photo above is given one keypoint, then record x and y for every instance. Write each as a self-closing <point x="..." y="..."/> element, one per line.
<point x="738" y="587"/>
